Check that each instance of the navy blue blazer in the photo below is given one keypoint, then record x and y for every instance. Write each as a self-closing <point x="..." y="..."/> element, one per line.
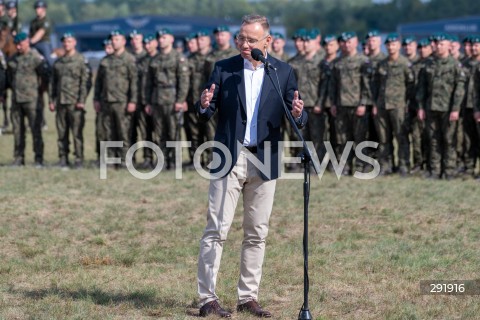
<point x="229" y="102"/>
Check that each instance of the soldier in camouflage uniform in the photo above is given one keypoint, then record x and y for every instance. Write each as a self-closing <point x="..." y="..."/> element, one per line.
<point x="318" y="41"/>
<point x="145" y="120"/>
<point x="13" y="23"/>
<point x="308" y="77"/>
<point x="440" y="93"/>
<point x="471" y="138"/>
<point x="68" y="92"/>
<point x="349" y="94"/>
<point x="201" y="131"/>
<point x="278" y="45"/>
<point x="467" y="48"/>
<point x="223" y="49"/>
<point x="191" y="43"/>
<point x="116" y="93"/>
<point x="166" y="91"/>
<point x="394" y="81"/>
<point x="27" y="76"/>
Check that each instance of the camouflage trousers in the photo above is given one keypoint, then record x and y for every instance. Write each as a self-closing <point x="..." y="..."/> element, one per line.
<point x="33" y="113"/>
<point x="392" y="124"/>
<point x="117" y="123"/>
<point x="316" y="130"/>
<point x="164" y="120"/>
<point x="200" y="132"/>
<point x="350" y="127"/>
<point x="418" y="140"/>
<point x="70" y="119"/>
<point x="442" y="137"/>
<point x="471" y="141"/>
<point x="142" y="130"/>
<point x="100" y="130"/>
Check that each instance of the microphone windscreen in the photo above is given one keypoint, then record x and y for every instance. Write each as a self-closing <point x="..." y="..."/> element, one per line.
<point x="256" y="54"/>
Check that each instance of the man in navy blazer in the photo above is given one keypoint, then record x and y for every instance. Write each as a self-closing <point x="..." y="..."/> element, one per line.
<point x="250" y="114"/>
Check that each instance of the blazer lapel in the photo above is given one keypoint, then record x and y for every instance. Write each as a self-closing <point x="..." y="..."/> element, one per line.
<point x="266" y="88"/>
<point x="239" y="75"/>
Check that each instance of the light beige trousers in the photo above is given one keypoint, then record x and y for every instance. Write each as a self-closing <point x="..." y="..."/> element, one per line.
<point x="222" y="200"/>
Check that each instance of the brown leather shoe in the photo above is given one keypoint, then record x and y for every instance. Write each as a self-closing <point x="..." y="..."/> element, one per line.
<point x="213" y="307"/>
<point x="254" y="308"/>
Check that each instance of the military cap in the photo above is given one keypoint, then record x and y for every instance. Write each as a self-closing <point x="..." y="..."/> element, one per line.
<point x="221" y="29"/>
<point x="408" y="40"/>
<point x="202" y="33"/>
<point x="278" y="35"/>
<point x="424" y="42"/>
<point x="475" y="39"/>
<point x="163" y="32"/>
<point x="134" y="33"/>
<point x="190" y="36"/>
<point x="372" y="33"/>
<point x="438" y="36"/>
<point x="328" y="38"/>
<point x="299" y="33"/>
<point x="453" y="38"/>
<point x="66" y="35"/>
<point x="392" y="37"/>
<point x="467" y="39"/>
<point x="116" y="32"/>
<point x="11" y="4"/>
<point x="315" y="32"/>
<point x="148" y="38"/>
<point x="348" y="35"/>
<point x="20" y="37"/>
<point x="107" y="41"/>
<point x="40" y="4"/>
<point x="309" y="35"/>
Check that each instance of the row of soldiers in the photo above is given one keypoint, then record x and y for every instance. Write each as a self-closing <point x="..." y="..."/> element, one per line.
<point x="426" y="99"/>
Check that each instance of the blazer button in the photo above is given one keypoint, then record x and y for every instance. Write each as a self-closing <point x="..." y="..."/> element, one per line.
<point x="244" y="121"/>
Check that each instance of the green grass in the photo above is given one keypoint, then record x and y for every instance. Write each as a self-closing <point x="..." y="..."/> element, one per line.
<point x="73" y="246"/>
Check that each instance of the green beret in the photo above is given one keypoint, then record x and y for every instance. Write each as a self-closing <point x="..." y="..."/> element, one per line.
<point x="164" y="31"/>
<point x="372" y="33"/>
<point x="467" y="39"/>
<point x="475" y="39"/>
<point x="221" y="29"/>
<point x="190" y="36"/>
<point x="148" y="38"/>
<point x="66" y="35"/>
<point x="328" y="38"/>
<point x="20" y="37"/>
<point x="117" y="32"/>
<point x="454" y="38"/>
<point x="315" y="32"/>
<point x="309" y="35"/>
<point x="135" y="33"/>
<point x="107" y="42"/>
<point x="348" y="35"/>
<point x="408" y="40"/>
<point x="438" y="36"/>
<point x="278" y="35"/>
<point x="424" y="42"/>
<point x="202" y="33"/>
<point x="299" y="33"/>
<point x="392" y="37"/>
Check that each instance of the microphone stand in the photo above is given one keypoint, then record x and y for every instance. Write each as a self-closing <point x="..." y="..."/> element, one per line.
<point x="306" y="157"/>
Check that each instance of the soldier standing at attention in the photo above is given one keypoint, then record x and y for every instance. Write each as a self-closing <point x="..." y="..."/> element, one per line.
<point x="27" y="77"/>
<point x="68" y="92"/>
<point x="166" y="90"/>
<point x="394" y="80"/>
<point x="201" y="131"/>
<point x="318" y="42"/>
<point x="191" y="42"/>
<point x="145" y="120"/>
<point x="116" y="92"/>
<point x="440" y="93"/>
<point x="467" y="48"/>
<point x="349" y="95"/>
<point x="278" y="45"/>
<point x="223" y="49"/>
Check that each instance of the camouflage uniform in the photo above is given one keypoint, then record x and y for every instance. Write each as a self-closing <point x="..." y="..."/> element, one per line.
<point x="472" y="150"/>
<point x="295" y="62"/>
<point x="166" y="84"/>
<point x="394" y="81"/>
<point x="115" y="87"/>
<point x="135" y="120"/>
<point x="441" y="90"/>
<point x="68" y="86"/>
<point x="26" y="74"/>
<point x="201" y="131"/>
<point x="308" y="77"/>
<point x="283" y="57"/>
<point x="348" y="90"/>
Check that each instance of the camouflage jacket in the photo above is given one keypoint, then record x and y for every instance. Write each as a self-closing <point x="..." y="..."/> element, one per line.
<point x="469" y="66"/>
<point x="283" y="57"/>
<point x="198" y="76"/>
<point x="69" y="83"/>
<point x="441" y="85"/>
<point x="394" y="82"/>
<point x="349" y="83"/>
<point x="325" y="79"/>
<point x="27" y="74"/>
<point x="138" y="57"/>
<point x="217" y="55"/>
<point x="117" y="79"/>
<point x="142" y="66"/>
<point x="308" y="79"/>
<point x="371" y="69"/>
<point x="167" y="79"/>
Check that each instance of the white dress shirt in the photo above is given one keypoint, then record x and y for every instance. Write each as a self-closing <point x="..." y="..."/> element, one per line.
<point x="253" y="88"/>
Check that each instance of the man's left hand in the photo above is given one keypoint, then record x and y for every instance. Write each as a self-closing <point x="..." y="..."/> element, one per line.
<point x="297" y="105"/>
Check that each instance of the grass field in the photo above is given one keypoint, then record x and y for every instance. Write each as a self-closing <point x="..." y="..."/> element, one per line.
<point x="73" y="246"/>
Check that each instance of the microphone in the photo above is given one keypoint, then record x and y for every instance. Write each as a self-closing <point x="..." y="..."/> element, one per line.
<point x="257" y="55"/>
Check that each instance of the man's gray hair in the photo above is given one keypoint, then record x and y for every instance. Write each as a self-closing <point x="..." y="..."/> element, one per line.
<point x="256" y="18"/>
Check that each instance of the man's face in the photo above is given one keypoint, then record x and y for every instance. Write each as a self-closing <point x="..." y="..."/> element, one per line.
<point x="41" y="12"/>
<point x="443" y="48"/>
<point x="298" y="44"/>
<point x="151" y="46"/>
<point x="467" y="47"/>
<point x="192" y="45"/>
<point x="476" y="50"/>
<point x="118" y="42"/>
<point x="223" y="38"/>
<point x="165" y="41"/>
<point x="393" y="47"/>
<point x="373" y="43"/>
<point x="23" y="46"/>
<point x="252" y="36"/>
<point x="69" y="44"/>
<point x="12" y="12"/>
<point x="309" y="46"/>
<point x="331" y="47"/>
<point x="455" y="47"/>
<point x="203" y="42"/>
<point x="425" y="51"/>
<point x="136" y="41"/>
<point x="410" y="48"/>
<point x="278" y="44"/>
<point x="351" y="45"/>
<point x="109" y="48"/>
